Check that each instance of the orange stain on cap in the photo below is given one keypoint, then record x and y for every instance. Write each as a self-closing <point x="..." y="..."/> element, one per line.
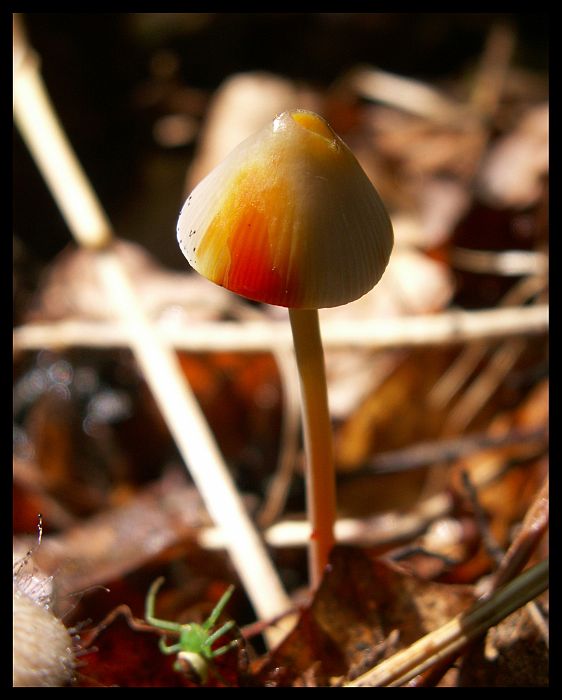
<point x="239" y="251"/>
<point x="288" y="218"/>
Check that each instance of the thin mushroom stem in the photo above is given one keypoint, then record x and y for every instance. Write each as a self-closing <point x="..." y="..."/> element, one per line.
<point x="321" y="491"/>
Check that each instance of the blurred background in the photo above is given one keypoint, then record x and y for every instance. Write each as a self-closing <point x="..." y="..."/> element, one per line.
<point x="448" y="115"/>
<point x="134" y="92"/>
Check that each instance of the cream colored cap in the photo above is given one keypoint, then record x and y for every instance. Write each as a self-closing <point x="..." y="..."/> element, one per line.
<point x="289" y="218"/>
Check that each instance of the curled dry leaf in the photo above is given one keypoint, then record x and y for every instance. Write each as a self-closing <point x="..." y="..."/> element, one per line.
<point x="365" y="610"/>
<point x="71" y="289"/>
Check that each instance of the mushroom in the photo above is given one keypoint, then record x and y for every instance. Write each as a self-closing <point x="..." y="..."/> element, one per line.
<point x="290" y="218"/>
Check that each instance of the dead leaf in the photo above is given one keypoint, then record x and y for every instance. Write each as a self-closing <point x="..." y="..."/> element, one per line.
<point x="122" y="539"/>
<point x="513" y="655"/>
<point x="71" y="288"/>
<point x="362" y="601"/>
<point x="393" y="416"/>
<point x="121" y="650"/>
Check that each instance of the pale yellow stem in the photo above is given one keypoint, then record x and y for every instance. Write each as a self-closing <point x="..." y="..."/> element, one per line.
<point x="320" y="473"/>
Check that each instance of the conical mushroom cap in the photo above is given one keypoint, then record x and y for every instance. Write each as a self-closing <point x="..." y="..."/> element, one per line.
<point x="288" y="218"/>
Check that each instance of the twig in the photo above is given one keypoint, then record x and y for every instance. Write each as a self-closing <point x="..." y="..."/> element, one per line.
<point x="489" y="542"/>
<point x="460" y="370"/>
<point x="381" y="530"/>
<point x="278" y="488"/>
<point x="449" y="327"/>
<point x="447" y="450"/>
<point x="510" y="263"/>
<point x="88" y="223"/>
<point x="484" y="386"/>
<point x="532" y="530"/>
<point x="452" y="637"/>
<point x="391" y="527"/>
<point x="407" y="94"/>
<point x="42" y="132"/>
<point x="491" y="75"/>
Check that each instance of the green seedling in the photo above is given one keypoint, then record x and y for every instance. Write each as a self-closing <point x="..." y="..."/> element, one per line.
<point x="194" y="648"/>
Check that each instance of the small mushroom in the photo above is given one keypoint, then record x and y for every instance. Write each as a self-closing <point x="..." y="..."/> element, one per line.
<point x="290" y="218"/>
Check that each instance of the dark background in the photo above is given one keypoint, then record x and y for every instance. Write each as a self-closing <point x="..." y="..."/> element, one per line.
<point x="97" y="68"/>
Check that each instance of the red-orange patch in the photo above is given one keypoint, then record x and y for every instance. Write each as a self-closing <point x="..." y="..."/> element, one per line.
<point x="252" y="271"/>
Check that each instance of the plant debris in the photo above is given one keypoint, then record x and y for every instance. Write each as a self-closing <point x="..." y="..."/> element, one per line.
<point x="441" y="443"/>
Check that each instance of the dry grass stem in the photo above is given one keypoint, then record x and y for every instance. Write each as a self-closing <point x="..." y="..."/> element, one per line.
<point x="525" y="543"/>
<point x="47" y="142"/>
<point x="484" y="386"/>
<point x="510" y="263"/>
<point x="460" y="370"/>
<point x="533" y="528"/>
<point x="384" y="529"/>
<point x="452" y="637"/>
<point x="289" y="447"/>
<point x="279" y="485"/>
<point x="407" y="94"/>
<point x="70" y="188"/>
<point x="394" y="526"/>
<point x="449" y="327"/>
<point x="422" y="454"/>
